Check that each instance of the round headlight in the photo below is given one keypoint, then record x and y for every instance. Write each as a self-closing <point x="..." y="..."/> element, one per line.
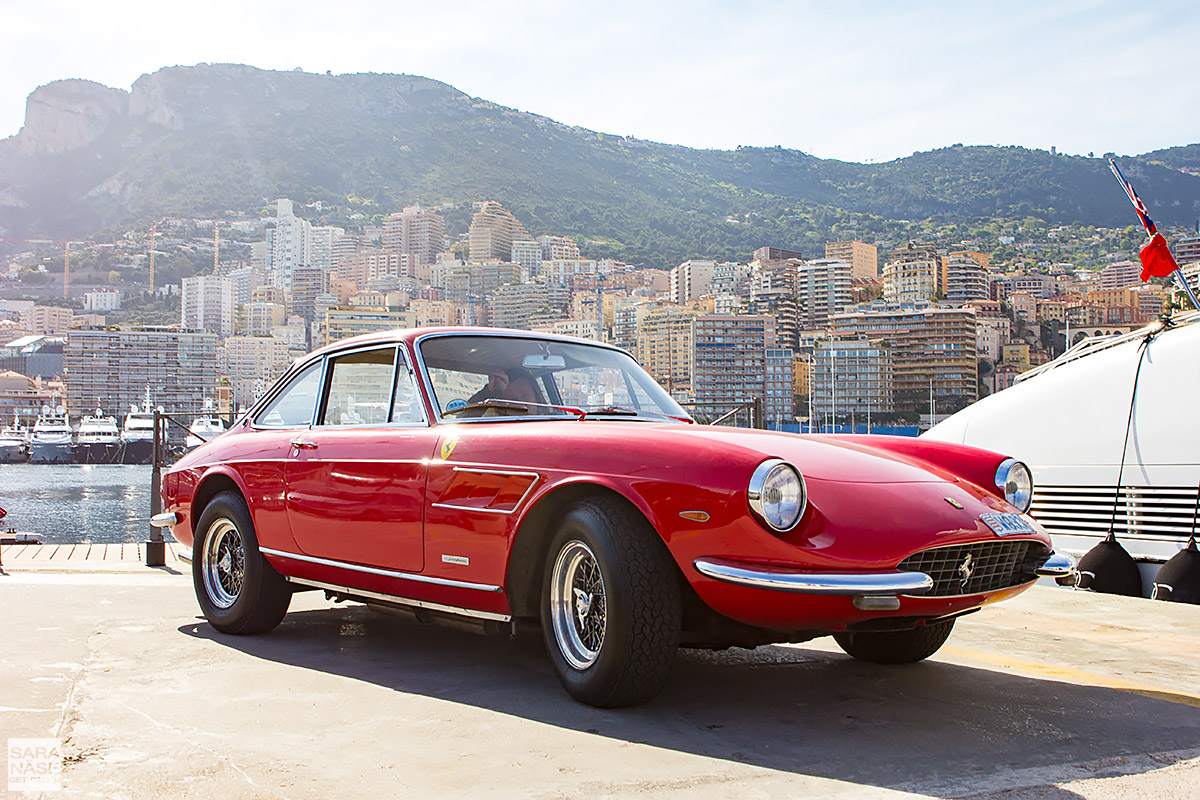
<point x="777" y="494"/>
<point x="1014" y="480"/>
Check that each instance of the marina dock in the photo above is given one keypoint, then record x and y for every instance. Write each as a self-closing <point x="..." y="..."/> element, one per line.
<point x="120" y="557"/>
<point x="1054" y="694"/>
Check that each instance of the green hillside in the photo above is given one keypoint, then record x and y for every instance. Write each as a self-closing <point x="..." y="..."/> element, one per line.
<point x="195" y="141"/>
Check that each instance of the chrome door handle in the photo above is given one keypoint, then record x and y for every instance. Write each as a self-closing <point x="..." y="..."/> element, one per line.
<point x="303" y="444"/>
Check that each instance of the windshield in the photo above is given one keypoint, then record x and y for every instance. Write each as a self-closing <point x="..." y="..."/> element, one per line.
<point x="479" y="375"/>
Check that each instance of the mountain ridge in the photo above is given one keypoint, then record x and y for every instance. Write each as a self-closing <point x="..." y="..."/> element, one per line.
<point x="194" y="141"/>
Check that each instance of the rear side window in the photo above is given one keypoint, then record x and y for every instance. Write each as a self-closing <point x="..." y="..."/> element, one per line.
<point x="293" y="407"/>
<point x="360" y="388"/>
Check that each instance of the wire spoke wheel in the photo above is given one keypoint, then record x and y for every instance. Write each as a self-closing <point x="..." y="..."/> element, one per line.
<point x="224" y="564"/>
<point x="579" y="610"/>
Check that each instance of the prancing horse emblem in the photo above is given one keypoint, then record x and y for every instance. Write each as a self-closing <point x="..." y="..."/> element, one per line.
<point x="965" y="569"/>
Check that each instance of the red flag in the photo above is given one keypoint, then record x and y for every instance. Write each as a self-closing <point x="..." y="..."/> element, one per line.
<point x="1157" y="260"/>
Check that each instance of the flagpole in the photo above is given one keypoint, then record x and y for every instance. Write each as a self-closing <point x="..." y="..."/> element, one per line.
<point x="1148" y="224"/>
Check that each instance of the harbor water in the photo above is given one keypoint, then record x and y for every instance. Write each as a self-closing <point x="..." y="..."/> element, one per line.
<point x="71" y="503"/>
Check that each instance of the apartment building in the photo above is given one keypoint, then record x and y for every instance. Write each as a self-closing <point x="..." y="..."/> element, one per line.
<point x="729" y="360"/>
<point x="862" y="257"/>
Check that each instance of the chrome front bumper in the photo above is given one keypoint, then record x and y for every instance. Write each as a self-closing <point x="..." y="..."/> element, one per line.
<point x="825" y="583"/>
<point x="1058" y="565"/>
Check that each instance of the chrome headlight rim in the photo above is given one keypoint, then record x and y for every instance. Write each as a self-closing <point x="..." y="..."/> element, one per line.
<point x="754" y="493"/>
<point x="1003" y="475"/>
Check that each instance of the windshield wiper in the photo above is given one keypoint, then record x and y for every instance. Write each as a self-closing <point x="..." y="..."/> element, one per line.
<point x="520" y="406"/>
<point x="621" y="411"/>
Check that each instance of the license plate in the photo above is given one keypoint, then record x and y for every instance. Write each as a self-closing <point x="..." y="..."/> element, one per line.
<point x="1006" y="523"/>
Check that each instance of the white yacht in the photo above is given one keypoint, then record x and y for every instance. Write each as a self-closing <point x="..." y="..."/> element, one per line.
<point x="14" y="443"/>
<point x="98" y="440"/>
<point x="137" y="434"/>
<point x="50" y="442"/>
<point x="205" y="427"/>
<point x="1110" y="434"/>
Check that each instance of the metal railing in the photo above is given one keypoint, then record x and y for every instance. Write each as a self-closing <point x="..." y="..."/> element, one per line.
<point x="753" y="408"/>
<point x="156" y="545"/>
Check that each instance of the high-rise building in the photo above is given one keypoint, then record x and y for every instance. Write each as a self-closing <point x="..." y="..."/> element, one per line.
<point x="208" y="304"/>
<point x="417" y="232"/>
<point x="529" y="255"/>
<point x="773" y="293"/>
<point x="557" y="247"/>
<point x="964" y="278"/>
<point x="114" y="368"/>
<point x="691" y="279"/>
<point x="47" y="320"/>
<point x="862" y="257"/>
<point x="1120" y="275"/>
<point x="307" y="283"/>
<point x="765" y="254"/>
<point x="911" y="274"/>
<point x="512" y="304"/>
<point x="664" y="345"/>
<point x="493" y="230"/>
<point x="849" y="378"/>
<point x="1187" y="249"/>
<point x="342" y="323"/>
<point x="262" y="317"/>
<point x="476" y="282"/>
<point x="289" y="244"/>
<point x="252" y="364"/>
<point x="729" y="360"/>
<point x="933" y="350"/>
<point x="822" y="288"/>
<point x="323" y="243"/>
<point x="778" y="387"/>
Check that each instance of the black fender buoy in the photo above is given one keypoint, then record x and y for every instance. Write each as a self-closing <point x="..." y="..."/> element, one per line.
<point x="1108" y="568"/>
<point x="1179" y="579"/>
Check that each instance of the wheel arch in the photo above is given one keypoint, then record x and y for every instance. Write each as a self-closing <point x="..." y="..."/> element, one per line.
<point x="211" y="485"/>
<point x="527" y="557"/>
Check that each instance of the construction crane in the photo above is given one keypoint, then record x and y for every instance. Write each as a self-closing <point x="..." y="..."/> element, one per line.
<point x="66" y="243"/>
<point x="151" y="230"/>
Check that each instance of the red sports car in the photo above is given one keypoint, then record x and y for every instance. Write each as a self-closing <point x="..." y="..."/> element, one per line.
<point x="511" y="477"/>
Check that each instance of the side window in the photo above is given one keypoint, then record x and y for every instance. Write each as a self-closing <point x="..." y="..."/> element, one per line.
<point x="293" y="407"/>
<point x="407" y="408"/>
<point x="360" y="388"/>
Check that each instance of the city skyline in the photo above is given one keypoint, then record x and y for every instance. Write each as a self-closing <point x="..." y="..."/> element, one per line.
<point x="871" y="83"/>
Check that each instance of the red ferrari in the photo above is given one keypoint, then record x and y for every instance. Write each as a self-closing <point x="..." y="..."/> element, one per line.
<point x="512" y="477"/>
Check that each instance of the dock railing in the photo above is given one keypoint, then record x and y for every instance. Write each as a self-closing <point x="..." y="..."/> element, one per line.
<point x="156" y="555"/>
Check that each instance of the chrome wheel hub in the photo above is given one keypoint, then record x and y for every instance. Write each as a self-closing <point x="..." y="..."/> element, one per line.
<point x="223" y="564"/>
<point x="578" y="611"/>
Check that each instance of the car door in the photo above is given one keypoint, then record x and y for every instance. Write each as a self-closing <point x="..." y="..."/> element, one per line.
<point x="287" y="414"/>
<point x="356" y="479"/>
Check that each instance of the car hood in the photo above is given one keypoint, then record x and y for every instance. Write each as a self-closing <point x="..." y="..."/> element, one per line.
<point x="816" y="456"/>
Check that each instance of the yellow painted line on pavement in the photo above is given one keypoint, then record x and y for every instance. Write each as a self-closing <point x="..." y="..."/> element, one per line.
<point x="1070" y="675"/>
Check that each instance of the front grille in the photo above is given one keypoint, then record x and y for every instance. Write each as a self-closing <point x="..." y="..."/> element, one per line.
<point x="977" y="567"/>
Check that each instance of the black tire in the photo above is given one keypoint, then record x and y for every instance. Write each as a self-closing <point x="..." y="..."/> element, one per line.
<point x="243" y="594"/>
<point x="638" y="594"/>
<point x="896" y="647"/>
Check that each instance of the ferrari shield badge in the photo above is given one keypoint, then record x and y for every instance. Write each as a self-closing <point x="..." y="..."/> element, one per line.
<point x="448" y="448"/>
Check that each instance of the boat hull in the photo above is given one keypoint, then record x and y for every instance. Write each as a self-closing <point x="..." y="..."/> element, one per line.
<point x="50" y="453"/>
<point x="97" y="453"/>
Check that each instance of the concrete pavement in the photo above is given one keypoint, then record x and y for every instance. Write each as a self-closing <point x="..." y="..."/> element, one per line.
<point x="1055" y="695"/>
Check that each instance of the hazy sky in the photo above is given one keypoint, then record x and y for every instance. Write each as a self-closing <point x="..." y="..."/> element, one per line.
<point x="842" y="79"/>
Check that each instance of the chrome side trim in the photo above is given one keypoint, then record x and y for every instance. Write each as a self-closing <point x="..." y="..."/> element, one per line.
<point x="480" y="471"/>
<point x="386" y="573"/>
<point x="824" y="583"/>
<point x="403" y="601"/>
<point x="167" y="519"/>
<point x="1058" y="565"/>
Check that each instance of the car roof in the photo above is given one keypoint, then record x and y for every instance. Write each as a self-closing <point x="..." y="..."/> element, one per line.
<point x="409" y="336"/>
